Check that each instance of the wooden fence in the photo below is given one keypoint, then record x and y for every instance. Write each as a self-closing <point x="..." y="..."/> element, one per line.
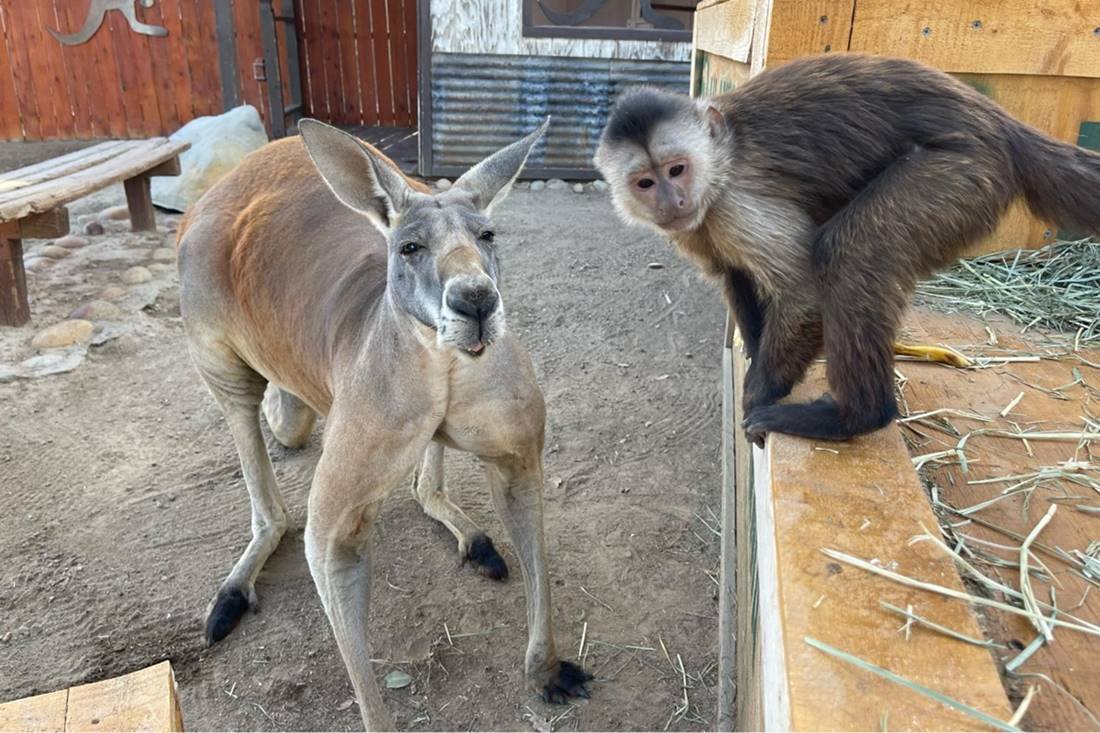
<point x="357" y="60"/>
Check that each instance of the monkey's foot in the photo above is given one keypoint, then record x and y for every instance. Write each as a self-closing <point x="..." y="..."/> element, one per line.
<point x="566" y="680"/>
<point x="483" y="556"/>
<point x="226" y="611"/>
<point x="932" y="353"/>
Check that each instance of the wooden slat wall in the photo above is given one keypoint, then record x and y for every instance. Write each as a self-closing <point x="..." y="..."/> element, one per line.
<point x="119" y="83"/>
<point x="359" y="61"/>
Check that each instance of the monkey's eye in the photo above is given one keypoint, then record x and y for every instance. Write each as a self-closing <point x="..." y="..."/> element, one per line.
<point x="487" y="236"/>
<point x="644" y="183"/>
<point x="410" y="248"/>
<point x="676" y="170"/>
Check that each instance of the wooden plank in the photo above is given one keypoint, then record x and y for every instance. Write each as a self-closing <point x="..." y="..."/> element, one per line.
<point x="383" y="62"/>
<point x="142" y="701"/>
<point x="725" y="29"/>
<point x="395" y="16"/>
<point x="727" y="587"/>
<point x="368" y="81"/>
<point x="22" y="77"/>
<point x="139" y="200"/>
<point x="328" y="37"/>
<point x="175" y="59"/>
<point x="15" y="310"/>
<point x="1071" y="660"/>
<point x="53" y="104"/>
<point x="411" y="63"/>
<point x="60" y="166"/>
<point x="864" y="500"/>
<point x="351" y="107"/>
<point x="1055" y="37"/>
<point x="314" y="102"/>
<point x="138" y="99"/>
<point x="165" y="89"/>
<point x="802" y="28"/>
<point x="198" y="23"/>
<point x="275" y="105"/>
<point x="74" y="60"/>
<point x="11" y="123"/>
<point x="105" y="84"/>
<point x="39" y="714"/>
<point x="249" y="51"/>
<point x="719" y="75"/>
<point x="138" y="158"/>
<point x="47" y="225"/>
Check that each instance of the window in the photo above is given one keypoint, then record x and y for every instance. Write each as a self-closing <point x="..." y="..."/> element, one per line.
<point x="649" y="20"/>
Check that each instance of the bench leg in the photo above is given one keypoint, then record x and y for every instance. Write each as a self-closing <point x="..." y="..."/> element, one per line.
<point x="15" y="310"/>
<point x="139" y="199"/>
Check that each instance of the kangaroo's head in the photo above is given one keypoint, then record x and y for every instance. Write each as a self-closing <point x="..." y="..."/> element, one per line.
<point x="442" y="262"/>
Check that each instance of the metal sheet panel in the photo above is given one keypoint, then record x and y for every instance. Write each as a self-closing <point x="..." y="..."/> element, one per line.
<point x="481" y="103"/>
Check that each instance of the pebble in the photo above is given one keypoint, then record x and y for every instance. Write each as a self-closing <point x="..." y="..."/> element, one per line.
<point x="115" y="213"/>
<point x="96" y="310"/>
<point x="159" y="268"/>
<point x="6" y="637"/>
<point x="93" y="229"/>
<point x="538" y="185"/>
<point x="171" y="225"/>
<point x="600" y="185"/>
<point x="556" y="184"/>
<point x="37" y="264"/>
<point x="63" y="334"/>
<point x="442" y="184"/>
<point x="71" y="241"/>
<point x="164" y="254"/>
<point x="578" y="188"/>
<point x="136" y="275"/>
<point x="54" y="252"/>
<point x="114" y="292"/>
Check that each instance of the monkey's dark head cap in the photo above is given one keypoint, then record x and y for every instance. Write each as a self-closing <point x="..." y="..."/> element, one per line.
<point x="638" y="111"/>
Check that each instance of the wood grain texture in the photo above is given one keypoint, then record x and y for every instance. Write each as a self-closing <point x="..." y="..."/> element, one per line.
<point x="1054" y="37"/>
<point x="1071" y="660"/>
<point x="11" y="124"/>
<point x="142" y="701"/>
<point x="39" y="714"/>
<point x="496" y="27"/>
<point x="799" y="28"/>
<point x="725" y="29"/>
<point x="14" y="307"/>
<point x="864" y="500"/>
<point x="717" y="75"/>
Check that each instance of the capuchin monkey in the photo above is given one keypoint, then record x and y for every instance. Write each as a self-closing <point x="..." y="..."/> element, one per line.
<point x="817" y="195"/>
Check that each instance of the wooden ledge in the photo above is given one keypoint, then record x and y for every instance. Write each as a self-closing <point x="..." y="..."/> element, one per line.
<point x="862" y="498"/>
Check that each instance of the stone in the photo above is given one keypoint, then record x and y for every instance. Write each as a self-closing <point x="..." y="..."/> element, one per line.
<point x="113" y="292"/>
<point x="556" y="184"/>
<point x="57" y="361"/>
<point x="63" y="334"/>
<point x="159" y="268"/>
<point x="171" y="225"/>
<point x="164" y="254"/>
<point x="115" y="213"/>
<point x="97" y="310"/>
<point x="600" y="185"/>
<point x="442" y="184"/>
<point x="36" y="264"/>
<point x="538" y="185"/>
<point x="71" y="241"/>
<point x="93" y="229"/>
<point x="54" y="252"/>
<point x="218" y="144"/>
<point x="578" y="188"/>
<point x="136" y="275"/>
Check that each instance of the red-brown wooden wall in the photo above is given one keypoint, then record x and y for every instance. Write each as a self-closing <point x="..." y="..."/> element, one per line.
<point x="358" y="61"/>
<point x="357" y="57"/>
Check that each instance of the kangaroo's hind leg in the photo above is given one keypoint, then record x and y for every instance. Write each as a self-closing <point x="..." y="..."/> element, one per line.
<point x="239" y="390"/>
<point x="291" y="420"/>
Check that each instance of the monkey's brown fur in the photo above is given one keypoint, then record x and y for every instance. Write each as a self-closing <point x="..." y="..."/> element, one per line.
<point x="844" y="180"/>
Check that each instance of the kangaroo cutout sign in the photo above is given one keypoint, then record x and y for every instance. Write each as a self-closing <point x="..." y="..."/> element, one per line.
<point x="97" y="11"/>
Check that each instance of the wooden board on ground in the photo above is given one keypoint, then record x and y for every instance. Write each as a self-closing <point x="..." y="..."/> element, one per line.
<point x="145" y="700"/>
<point x="1071" y="661"/>
<point x="862" y="498"/>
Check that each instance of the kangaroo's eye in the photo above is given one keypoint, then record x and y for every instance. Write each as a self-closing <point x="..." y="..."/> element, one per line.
<point x="410" y="248"/>
<point x="644" y="183"/>
<point x="487" y="236"/>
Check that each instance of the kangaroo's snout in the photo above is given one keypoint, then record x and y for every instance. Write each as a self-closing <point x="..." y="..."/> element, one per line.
<point x="476" y="302"/>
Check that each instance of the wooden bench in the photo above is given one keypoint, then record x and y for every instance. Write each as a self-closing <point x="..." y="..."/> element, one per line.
<point x="33" y="200"/>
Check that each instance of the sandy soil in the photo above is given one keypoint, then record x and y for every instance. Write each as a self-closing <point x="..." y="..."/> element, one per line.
<point x="123" y="505"/>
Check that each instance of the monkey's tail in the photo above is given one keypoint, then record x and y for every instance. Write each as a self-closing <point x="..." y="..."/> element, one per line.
<point x="1060" y="182"/>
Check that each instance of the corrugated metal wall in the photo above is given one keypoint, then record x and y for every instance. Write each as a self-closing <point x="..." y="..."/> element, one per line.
<point x="482" y="102"/>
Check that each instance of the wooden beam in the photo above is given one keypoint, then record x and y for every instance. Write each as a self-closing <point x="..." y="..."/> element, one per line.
<point x="38" y="714"/>
<point x="170" y="167"/>
<point x="139" y="200"/>
<point x="226" y="32"/>
<point x="47" y="225"/>
<point x="15" y="309"/>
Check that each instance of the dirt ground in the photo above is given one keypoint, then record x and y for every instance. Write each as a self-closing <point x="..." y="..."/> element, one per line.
<point x="124" y="507"/>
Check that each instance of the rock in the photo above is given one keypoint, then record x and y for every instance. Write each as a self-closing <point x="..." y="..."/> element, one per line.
<point x="114" y="292"/>
<point x="115" y="213"/>
<point x="171" y="225"/>
<point x="63" y="334"/>
<point x="522" y="185"/>
<point x="442" y="184"/>
<point x="164" y="254"/>
<point x="54" y="252"/>
<point x="57" y="361"/>
<point x="556" y="184"/>
<point x="97" y="310"/>
<point x="159" y="268"/>
<point x="37" y="264"/>
<point x="578" y="188"/>
<point x="218" y="144"/>
<point x="106" y="332"/>
<point x="136" y="275"/>
<point x="93" y="229"/>
<point x="71" y="241"/>
<point x="538" y="185"/>
<point x="600" y="185"/>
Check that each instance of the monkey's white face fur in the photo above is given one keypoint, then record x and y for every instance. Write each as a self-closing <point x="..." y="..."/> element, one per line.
<point x="663" y="172"/>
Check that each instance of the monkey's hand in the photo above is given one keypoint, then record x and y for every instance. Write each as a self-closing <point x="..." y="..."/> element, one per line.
<point x="754" y="430"/>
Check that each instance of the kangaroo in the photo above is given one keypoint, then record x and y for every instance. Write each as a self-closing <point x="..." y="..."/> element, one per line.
<point x="317" y="279"/>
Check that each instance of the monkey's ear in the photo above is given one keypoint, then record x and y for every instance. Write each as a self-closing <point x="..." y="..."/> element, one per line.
<point x="716" y="121"/>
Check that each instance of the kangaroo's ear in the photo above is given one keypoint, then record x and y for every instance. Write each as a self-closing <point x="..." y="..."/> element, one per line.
<point x="363" y="180"/>
<point x="490" y="180"/>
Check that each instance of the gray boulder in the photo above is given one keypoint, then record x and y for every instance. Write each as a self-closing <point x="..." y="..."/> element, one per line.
<point x="218" y="144"/>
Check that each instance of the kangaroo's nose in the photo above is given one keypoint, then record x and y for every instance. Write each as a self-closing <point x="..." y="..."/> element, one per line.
<point x="476" y="303"/>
